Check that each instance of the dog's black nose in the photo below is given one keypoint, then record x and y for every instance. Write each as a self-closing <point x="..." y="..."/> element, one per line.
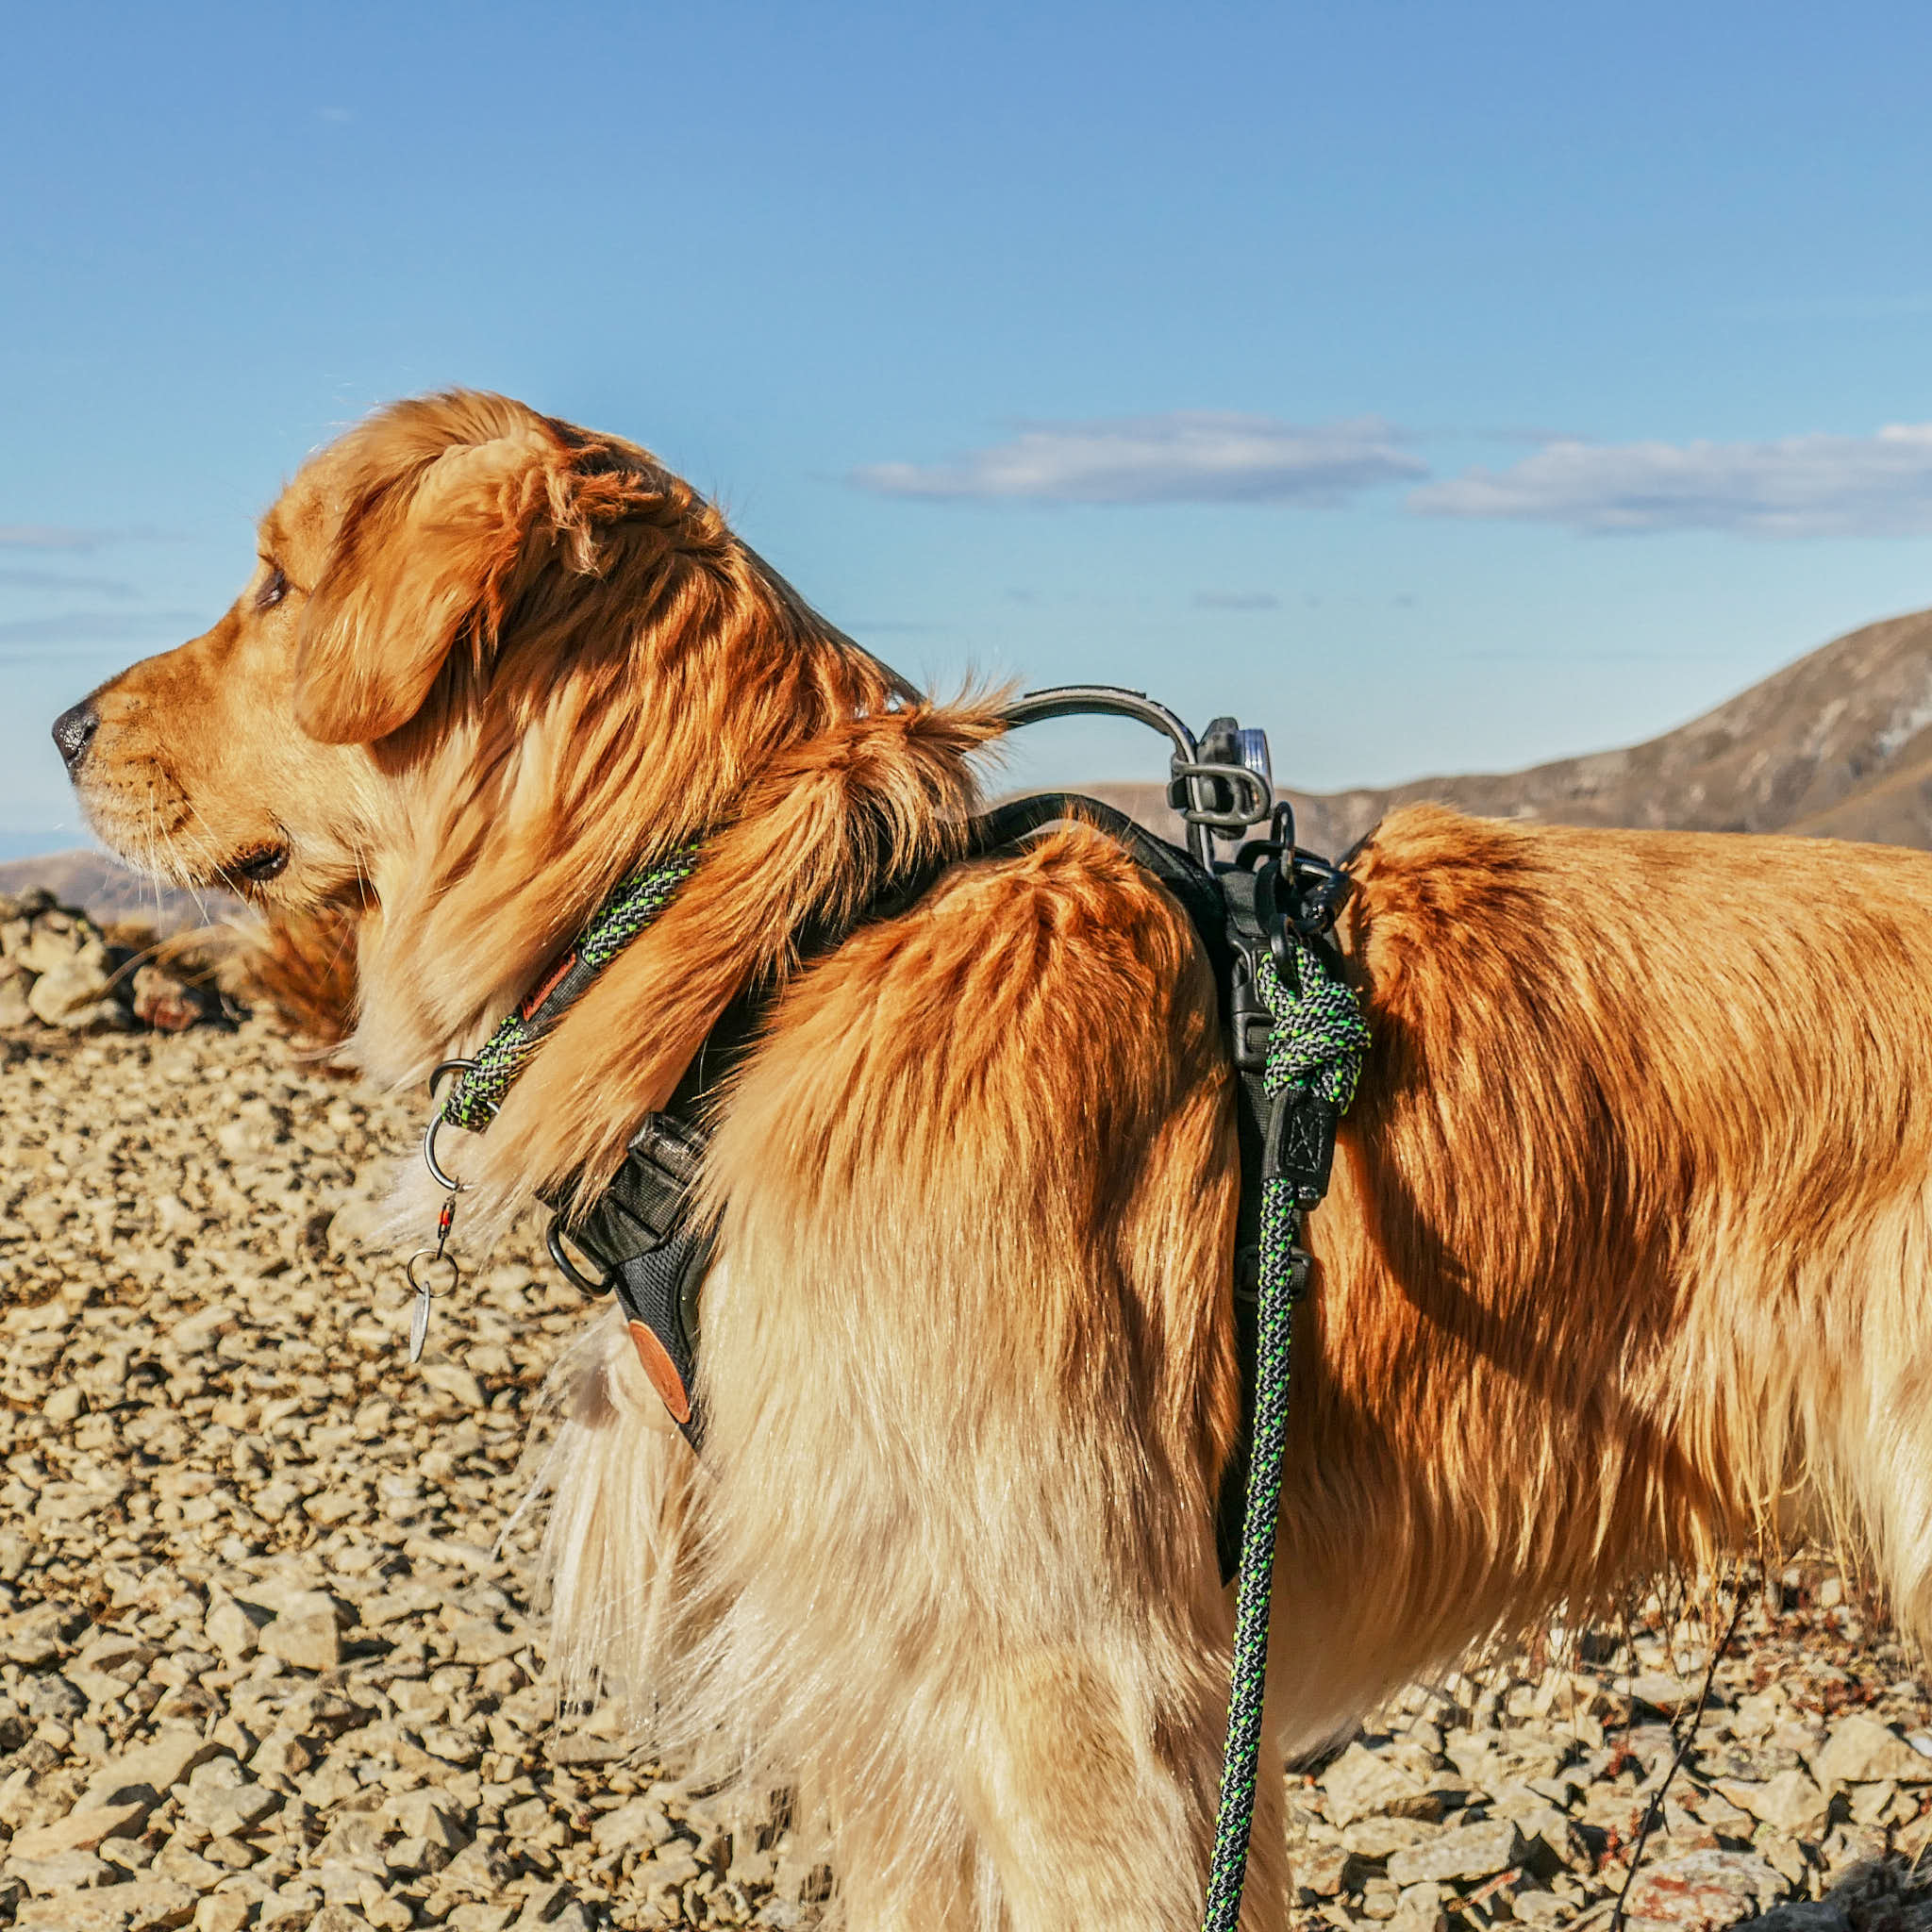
<point x="74" y="731"/>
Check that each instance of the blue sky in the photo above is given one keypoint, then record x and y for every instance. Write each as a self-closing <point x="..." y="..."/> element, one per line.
<point x="1445" y="388"/>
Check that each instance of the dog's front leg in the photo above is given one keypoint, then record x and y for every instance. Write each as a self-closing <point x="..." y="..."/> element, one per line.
<point x="1098" y="1807"/>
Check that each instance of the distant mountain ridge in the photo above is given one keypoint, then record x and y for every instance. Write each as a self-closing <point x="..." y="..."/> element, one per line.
<point x="107" y="891"/>
<point x="1836" y="745"/>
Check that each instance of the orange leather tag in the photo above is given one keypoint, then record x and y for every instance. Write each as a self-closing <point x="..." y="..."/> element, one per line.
<point x="663" y="1373"/>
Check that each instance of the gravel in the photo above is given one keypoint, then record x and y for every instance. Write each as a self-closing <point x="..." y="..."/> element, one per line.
<point x="267" y="1656"/>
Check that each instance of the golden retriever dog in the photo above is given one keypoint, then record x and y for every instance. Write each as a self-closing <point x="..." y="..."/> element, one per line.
<point x="1625" y="1261"/>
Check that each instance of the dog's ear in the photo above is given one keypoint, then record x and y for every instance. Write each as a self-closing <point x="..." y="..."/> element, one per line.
<point x="426" y="552"/>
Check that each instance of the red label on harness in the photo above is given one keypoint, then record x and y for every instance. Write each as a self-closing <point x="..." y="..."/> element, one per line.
<point x="536" y="997"/>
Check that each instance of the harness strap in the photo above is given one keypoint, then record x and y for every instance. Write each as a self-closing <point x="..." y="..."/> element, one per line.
<point x="651" y="1251"/>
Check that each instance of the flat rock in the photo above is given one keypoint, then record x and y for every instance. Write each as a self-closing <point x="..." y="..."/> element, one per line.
<point x="1379" y="1837"/>
<point x="1469" y="1851"/>
<point x="1860" y="1750"/>
<point x="1788" y="1802"/>
<point x="230" y="1812"/>
<point x="135" y="1906"/>
<point x="81" y="1830"/>
<point x="68" y="1871"/>
<point x="1361" y="1782"/>
<point x="157" y="1766"/>
<point x="1702" y="1889"/>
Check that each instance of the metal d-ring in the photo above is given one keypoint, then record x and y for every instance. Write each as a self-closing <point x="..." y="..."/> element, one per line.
<point x="436" y="1120"/>
<point x="560" y="1255"/>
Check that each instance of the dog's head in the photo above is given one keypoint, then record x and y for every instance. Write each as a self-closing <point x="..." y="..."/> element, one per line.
<point x="484" y="662"/>
<point x="432" y="590"/>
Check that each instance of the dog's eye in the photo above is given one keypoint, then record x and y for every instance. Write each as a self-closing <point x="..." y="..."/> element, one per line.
<point x="272" y="592"/>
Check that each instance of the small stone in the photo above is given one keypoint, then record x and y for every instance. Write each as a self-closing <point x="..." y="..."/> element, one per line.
<point x="53" y="1696"/>
<point x="68" y="1871"/>
<point x="1380" y="1900"/>
<point x="480" y="1918"/>
<point x="230" y="1812"/>
<point x="232" y="1630"/>
<point x="580" y="1750"/>
<point x="1870" y="1803"/>
<point x="305" y="1634"/>
<point x="1361" y="1781"/>
<point x="220" y="1912"/>
<point x="436" y="1819"/>
<point x="1377" y="1837"/>
<point x="69" y="993"/>
<point x="337" y="1917"/>
<point x="453" y="1746"/>
<point x="1662" y="1692"/>
<point x="484" y="1641"/>
<point x="669" y="1867"/>
<point x="64" y="1406"/>
<point x="294" y="1905"/>
<point x="1319" y="1871"/>
<point x="156" y="1767"/>
<point x="1542" y="1909"/>
<point x="281" y="1754"/>
<point x="164" y="1002"/>
<point x="452" y="1380"/>
<point x="641" y="1825"/>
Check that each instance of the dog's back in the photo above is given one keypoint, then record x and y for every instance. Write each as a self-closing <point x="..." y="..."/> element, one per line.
<point x="1625" y="1261"/>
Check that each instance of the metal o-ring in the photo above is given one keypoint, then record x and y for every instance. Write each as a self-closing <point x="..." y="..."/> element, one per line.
<point x="430" y="1255"/>
<point x="429" y="1161"/>
<point x="436" y="1120"/>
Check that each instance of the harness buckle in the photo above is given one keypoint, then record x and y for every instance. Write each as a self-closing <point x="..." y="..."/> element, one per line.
<point x="1250" y="1022"/>
<point x="659" y="1170"/>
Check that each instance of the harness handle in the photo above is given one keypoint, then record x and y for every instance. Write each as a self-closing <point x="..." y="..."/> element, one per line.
<point x="1220" y="785"/>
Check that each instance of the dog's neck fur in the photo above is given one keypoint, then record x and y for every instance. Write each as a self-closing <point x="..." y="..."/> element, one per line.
<point x="808" y="771"/>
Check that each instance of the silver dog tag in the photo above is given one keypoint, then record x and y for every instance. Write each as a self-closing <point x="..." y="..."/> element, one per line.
<point x="421" y="1273"/>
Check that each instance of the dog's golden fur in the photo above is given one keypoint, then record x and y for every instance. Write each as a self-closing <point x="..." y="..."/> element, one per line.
<point x="1623" y="1264"/>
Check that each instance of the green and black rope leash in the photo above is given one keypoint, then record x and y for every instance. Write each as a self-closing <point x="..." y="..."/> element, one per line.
<point x="633" y="905"/>
<point x="1316" y="1043"/>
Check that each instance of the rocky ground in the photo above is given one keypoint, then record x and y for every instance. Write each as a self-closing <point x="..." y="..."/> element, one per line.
<point x="266" y="1657"/>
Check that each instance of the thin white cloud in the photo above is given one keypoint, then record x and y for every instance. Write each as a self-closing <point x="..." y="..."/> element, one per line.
<point x="1236" y="600"/>
<point x="1186" y="456"/>
<point x="49" y="537"/>
<point x="1798" y="486"/>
